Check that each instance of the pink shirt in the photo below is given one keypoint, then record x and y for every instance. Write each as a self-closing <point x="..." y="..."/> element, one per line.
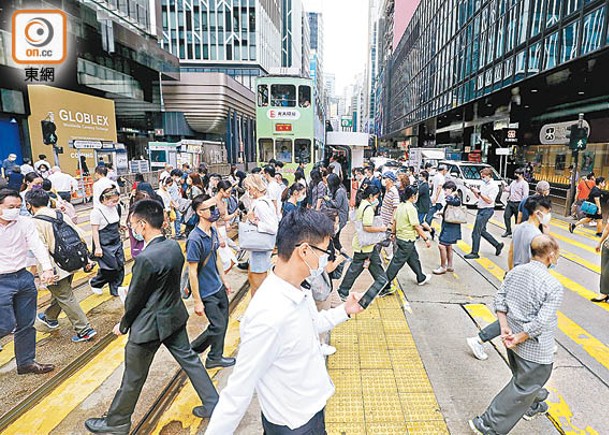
<point x="17" y="238"/>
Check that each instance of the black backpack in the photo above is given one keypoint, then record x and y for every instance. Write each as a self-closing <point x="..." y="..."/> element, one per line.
<point x="71" y="253"/>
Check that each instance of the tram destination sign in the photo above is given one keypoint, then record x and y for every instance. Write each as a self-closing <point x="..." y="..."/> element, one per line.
<point x="556" y="134"/>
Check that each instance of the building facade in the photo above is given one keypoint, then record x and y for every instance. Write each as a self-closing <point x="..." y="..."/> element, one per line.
<point x="291" y="34"/>
<point x="316" y="38"/>
<point x="464" y="71"/>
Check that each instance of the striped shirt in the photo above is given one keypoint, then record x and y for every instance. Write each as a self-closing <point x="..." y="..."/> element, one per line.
<point x="390" y="204"/>
<point x="530" y="296"/>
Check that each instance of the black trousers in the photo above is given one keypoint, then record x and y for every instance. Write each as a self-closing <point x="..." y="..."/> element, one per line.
<point x="357" y="267"/>
<point x="138" y="358"/>
<point x="315" y="426"/>
<point x="66" y="196"/>
<point x="511" y="209"/>
<point x="216" y="310"/>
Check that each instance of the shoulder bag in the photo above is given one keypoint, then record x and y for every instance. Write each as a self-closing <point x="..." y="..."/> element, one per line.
<point x="251" y="239"/>
<point x="455" y="214"/>
<point x="365" y="238"/>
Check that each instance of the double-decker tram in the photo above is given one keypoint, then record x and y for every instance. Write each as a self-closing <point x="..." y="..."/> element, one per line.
<point x="285" y="122"/>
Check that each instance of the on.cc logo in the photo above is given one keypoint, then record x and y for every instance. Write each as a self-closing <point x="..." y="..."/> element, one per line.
<point x="39" y="36"/>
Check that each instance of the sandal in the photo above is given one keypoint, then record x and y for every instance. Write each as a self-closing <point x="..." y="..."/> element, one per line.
<point x="601" y="299"/>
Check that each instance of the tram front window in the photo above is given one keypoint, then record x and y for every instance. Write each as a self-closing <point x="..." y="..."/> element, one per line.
<point x="265" y="150"/>
<point x="303" y="150"/>
<point x="283" y="95"/>
<point x="304" y="96"/>
<point x="283" y="150"/>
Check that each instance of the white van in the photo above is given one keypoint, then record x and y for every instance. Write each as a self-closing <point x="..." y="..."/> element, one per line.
<point x="466" y="174"/>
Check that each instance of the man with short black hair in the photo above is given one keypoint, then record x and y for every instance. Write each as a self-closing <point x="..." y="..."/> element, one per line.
<point x="17" y="289"/>
<point x="519" y="190"/>
<point x="154" y="315"/>
<point x="280" y="355"/>
<point x="526" y="306"/>
<point x="208" y="285"/>
<point x="336" y="166"/>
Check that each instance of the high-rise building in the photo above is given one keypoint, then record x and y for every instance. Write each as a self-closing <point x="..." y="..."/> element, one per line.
<point x="495" y="74"/>
<point x="316" y="39"/>
<point x="241" y="39"/>
<point x="291" y="34"/>
<point x="306" y="44"/>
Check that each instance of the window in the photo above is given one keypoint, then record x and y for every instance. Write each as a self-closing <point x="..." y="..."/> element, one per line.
<point x="303" y="150"/>
<point x="593" y="25"/>
<point x="571" y="6"/>
<point x="472" y="172"/>
<point x="534" y="57"/>
<point x="537" y="21"/>
<point x="520" y="64"/>
<point x="263" y="95"/>
<point x="304" y="96"/>
<point x="266" y="150"/>
<point x="552" y="12"/>
<point x="283" y="150"/>
<point x="569" y="42"/>
<point x="550" y="51"/>
<point x="283" y="95"/>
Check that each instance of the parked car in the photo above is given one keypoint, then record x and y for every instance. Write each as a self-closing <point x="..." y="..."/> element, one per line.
<point x="467" y="174"/>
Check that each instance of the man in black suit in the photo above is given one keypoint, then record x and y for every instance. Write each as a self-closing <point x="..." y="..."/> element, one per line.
<point x="154" y="315"/>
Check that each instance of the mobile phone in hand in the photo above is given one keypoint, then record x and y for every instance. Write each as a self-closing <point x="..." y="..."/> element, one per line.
<point x="372" y="292"/>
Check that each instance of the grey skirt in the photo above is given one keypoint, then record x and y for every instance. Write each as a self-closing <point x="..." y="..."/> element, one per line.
<point x="604" y="284"/>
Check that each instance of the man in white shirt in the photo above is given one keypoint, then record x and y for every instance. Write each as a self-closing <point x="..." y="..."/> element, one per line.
<point x="273" y="190"/>
<point x="102" y="183"/>
<point x="166" y="172"/>
<point x="64" y="184"/>
<point x="280" y="354"/>
<point x="17" y="289"/>
<point x="336" y="166"/>
<point x="486" y="196"/>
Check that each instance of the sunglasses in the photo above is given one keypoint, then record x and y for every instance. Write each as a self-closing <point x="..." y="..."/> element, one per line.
<point x="211" y="208"/>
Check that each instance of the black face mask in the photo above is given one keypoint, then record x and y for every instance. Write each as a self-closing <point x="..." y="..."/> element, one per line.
<point x="214" y="215"/>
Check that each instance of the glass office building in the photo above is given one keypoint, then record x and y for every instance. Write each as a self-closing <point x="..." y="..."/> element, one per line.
<point x="465" y="69"/>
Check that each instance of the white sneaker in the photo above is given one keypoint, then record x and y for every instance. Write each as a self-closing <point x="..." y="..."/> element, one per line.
<point x="477" y="348"/>
<point x="555" y="348"/>
<point x="327" y="350"/>
<point x="96" y="290"/>
<point x="427" y="279"/>
<point x="122" y="293"/>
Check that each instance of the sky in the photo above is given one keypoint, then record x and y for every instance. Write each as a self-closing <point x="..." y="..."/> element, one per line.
<point x="345" y="37"/>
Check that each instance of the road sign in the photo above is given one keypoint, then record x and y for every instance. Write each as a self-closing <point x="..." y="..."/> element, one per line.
<point x="556" y="134"/>
<point x="346" y="122"/>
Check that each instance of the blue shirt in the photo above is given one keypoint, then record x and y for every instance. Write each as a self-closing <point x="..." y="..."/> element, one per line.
<point x="198" y="248"/>
<point x="288" y="207"/>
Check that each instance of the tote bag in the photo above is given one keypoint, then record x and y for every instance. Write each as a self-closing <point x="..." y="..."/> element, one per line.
<point x="455" y="214"/>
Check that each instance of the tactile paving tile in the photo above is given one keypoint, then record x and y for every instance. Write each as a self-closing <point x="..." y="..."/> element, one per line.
<point x="395" y="313"/>
<point x="392" y="301"/>
<point x="373" y="359"/>
<point x="383" y="407"/>
<point x="346" y="428"/>
<point x="344" y="360"/>
<point x="408" y="381"/>
<point x="346" y="381"/>
<point x="369" y="326"/>
<point x="399" y="341"/>
<point x="373" y="341"/>
<point x="427" y="428"/>
<point x="349" y="327"/>
<point x="406" y="359"/>
<point x="369" y="314"/>
<point x="420" y="407"/>
<point x="378" y="380"/>
<point x="345" y="343"/>
<point x="345" y="407"/>
<point x="395" y="326"/>
<point x="386" y="428"/>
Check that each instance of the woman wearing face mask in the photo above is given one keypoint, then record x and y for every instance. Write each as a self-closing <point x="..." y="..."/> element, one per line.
<point x="365" y="254"/>
<point x="107" y="243"/>
<point x="450" y="233"/>
<point x="263" y="215"/>
<point x="337" y="199"/>
<point x="318" y="188"/>
<point x="291" y="197"/>
<point x="223" y="196"/>
<point x="135" y="245"/>
<point x="595" y="198"/>
<point x="31" y="181"/>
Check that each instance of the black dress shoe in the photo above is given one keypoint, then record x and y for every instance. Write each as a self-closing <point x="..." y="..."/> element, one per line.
<point x="202" y="412"/>
<point x="35" y="368"/>
<point x="222" y="362"/>
<point x="471" y="256"/>
<point x="243" y="266"/>
<point x="498" y="249"/>
<point x="100" y="425"/>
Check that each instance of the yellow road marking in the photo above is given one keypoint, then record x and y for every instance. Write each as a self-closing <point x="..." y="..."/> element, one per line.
<point x="560" y="413"/>
<point x="55" y="407"/>
<point x="595" y="348"/>
<point x="8" y="353"/>
<point x="578" y="289"/>
<point x="180" y="409"/>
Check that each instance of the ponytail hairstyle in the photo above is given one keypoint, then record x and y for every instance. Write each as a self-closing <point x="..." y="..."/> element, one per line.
<point x="287" y="193"/>
<point x="369" y="191"/>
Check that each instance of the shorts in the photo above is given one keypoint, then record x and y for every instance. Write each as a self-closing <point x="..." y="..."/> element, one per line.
<point x="260" y="261"/>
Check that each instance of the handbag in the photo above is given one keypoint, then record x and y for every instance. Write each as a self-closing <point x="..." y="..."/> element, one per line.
<point x="589" y="208"/>
<point x="321" y="287"/>
<point x="455" y="214"/>
<point x="253" y="240"/>
<point x="364" y="237"/>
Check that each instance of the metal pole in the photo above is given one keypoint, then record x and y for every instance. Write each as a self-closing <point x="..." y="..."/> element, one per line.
<point x="571" y="198"/>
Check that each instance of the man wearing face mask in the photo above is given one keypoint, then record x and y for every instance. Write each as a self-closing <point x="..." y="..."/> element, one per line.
<point x="280" y="355"/>
<point x="540" y="214"/>
<point x="17" y="289"/>
<point x="154" y="315"/>
<point x="207" y="282"/>
<point x="526" y="306"/>
<point x="486" y="195"/>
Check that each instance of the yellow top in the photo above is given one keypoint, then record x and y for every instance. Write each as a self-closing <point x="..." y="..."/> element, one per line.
<point x="364" y="213"/>
<point x="406" y="218"/>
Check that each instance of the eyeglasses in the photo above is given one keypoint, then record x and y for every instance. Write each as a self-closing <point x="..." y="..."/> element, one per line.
<point x="211" y="208"/>
<point x="325" y="251"/>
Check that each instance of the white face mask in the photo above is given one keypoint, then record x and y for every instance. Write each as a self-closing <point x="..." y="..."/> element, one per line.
<point x="545" y="218"/>
<point x="10" y="214"/>
<point x="323" y="262"/>
<point x="384" y="182"/>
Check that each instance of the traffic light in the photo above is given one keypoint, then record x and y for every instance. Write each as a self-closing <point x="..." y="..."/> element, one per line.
<point x="49" y="137"/>
<point x="578" y="137"/>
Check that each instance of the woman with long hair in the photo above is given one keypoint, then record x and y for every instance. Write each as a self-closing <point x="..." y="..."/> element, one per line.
<point x="33" y="180"/>
<point x="194" y="189"/>
<point x="263" y="215"/>
<point x="135" y="246"/>
<point x="337" y="198"/>
<point x="318" y="188"/>
<point x="291" y="197"/>
<point x="450" y="233"/>
<point x="227" y="207"/>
